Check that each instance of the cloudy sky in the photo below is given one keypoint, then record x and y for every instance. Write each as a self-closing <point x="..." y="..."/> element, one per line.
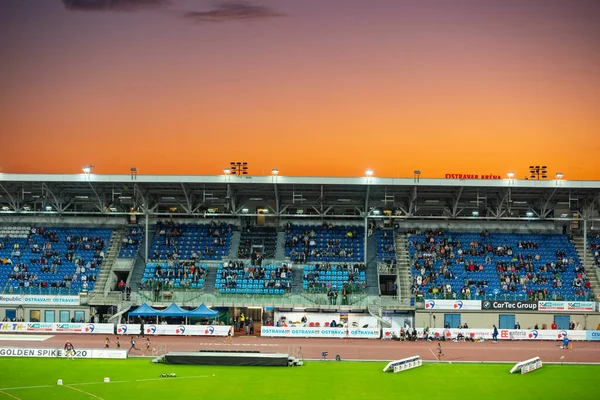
<point x="311" y="87"/>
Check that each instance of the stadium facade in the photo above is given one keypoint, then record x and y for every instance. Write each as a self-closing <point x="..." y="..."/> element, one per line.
<point x="366" y="205"/>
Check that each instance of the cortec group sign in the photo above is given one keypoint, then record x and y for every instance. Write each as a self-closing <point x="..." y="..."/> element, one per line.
<point x="509" y="305"/>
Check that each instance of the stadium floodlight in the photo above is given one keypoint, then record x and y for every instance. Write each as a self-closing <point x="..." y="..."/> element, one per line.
<point x="245" y="210"/>
<point x="538" y="172"/>
<point x="511" y="175"/>
<point x="274" y="172"/>
<point x="87" y="169"/>
<point x="475" y="213"/>
<point x="369" y="172"/>
<point x="529" y="214"/>
<point x="238" y="168"/>
<point x="48" y="208"/>
<point x="559" y="175"/>
<point x="227" y="171"/>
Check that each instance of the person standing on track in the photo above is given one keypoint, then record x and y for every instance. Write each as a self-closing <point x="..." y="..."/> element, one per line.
<point x="106" y="343"/>
<point x="495" y="334"/>
<point x="69" y="350"/>
<point x="118" y="343"/>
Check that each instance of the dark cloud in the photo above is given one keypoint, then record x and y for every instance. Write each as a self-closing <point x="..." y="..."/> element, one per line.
<point x="232" y="11"/>
<point x="112" y="5"/>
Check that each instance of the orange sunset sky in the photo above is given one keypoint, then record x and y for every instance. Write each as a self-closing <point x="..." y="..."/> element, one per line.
<point x="311" y="87"/>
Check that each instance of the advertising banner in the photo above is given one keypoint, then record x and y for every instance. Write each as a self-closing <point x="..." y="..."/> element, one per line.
<point x="510" y="334"/>
<point x="53" y="327"/>
<point x="122" y="329"/>
<point x="592" y="335"/>
<point x="455" y="305"/>
<point x="567" y="306"/>
<point x="509" y="305"/>
<point x="13" y="327"/>
<point x="55" y="353"/>
<point x="18" y="299"/>
<point x="308" y="332"/>
<point x="182" y="330"/>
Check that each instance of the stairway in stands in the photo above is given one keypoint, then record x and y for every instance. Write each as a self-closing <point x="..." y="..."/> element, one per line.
<point x="589" y="264"/>
<point x="404" y="272"/>
<point x="372" y="278"/>
<point x="264" y="237"/>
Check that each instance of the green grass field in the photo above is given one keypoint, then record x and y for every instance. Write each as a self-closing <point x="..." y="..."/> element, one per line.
<point x="140" y="379"/>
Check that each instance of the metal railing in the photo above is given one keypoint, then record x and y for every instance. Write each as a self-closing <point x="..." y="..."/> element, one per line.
<point x="306" y="300"/>
<point x="43" y="291"/>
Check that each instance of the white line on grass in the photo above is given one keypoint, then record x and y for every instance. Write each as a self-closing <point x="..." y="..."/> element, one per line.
<point x="165" y="378"/>
<point x="96" y="383"/>
<point x="83" y="391"/>
<point x="27" y="387"/>
<point x="10" y="395"/>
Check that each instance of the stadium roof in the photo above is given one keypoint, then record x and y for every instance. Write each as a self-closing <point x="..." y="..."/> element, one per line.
<point x="327" y="197"/>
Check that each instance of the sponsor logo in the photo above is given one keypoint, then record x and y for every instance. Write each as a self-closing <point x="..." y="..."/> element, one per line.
<point x="180" y="330"/>
<point x="562" y="334"/>
<point x="551" y="305"/>
<point x="504" y="334"/>
<point x="209" y="330"/>
<point x="592" y="335"/>
<point x="151" y="329"/>
<point x="39" y="327"/>
<point x="10" y="298"/>
<point x="533" y="334"/>
<point x="458" y="305"/>
<point x="429" y="304"/>
<point x="581" y="306"/>
<point x="122" y="329"/>
<point x="510" y="305"/>
<point x="12" y="327"/>
<point x="89" y="328"/>
<point x="69" y="328"/>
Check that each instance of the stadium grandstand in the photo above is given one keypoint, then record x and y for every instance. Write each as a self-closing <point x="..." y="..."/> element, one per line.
<point x="371" y="244"/>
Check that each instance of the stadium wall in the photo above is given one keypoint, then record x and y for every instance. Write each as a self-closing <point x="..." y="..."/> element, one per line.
<point x="53" y="220"/>
<point x="25" y="312"/>
<point x="481" y="320"/>
<point x="476" y="226"/>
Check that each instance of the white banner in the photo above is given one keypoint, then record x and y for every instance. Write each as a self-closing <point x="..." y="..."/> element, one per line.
<point x="567" y="306"/>
<point x="122" y="329"/>
<point x="55" y="353"/>
<point x="455" y="305"/>
<point x="509" y="334"/>
<point x="18" y="299"/>
<point x="307" y="332"/>
<point x="181" y="330"/>
<point x="53" y="327"/>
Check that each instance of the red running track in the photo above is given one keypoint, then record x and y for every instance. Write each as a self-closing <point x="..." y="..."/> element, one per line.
<point x="357" y="349"/>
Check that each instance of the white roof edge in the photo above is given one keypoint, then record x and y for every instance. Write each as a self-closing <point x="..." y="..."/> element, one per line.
<point x="499" y="183"/>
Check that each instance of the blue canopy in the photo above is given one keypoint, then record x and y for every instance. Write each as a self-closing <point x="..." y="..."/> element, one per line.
<point x="174" y="311"/>
<point x="144" y="311"/>
<point x="202" y="311"/>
